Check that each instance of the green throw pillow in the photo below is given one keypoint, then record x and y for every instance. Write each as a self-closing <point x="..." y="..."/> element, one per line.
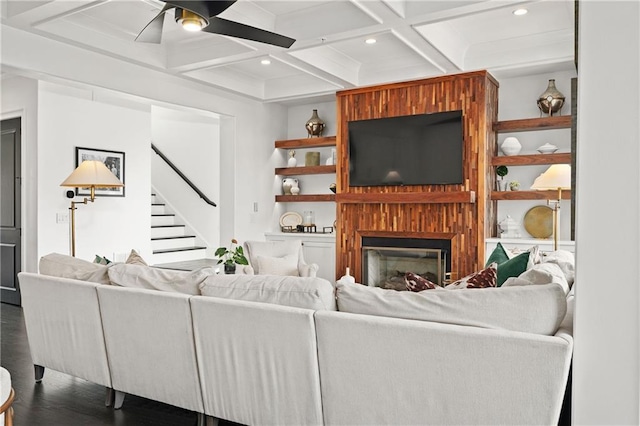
<point x="512" y="267"/>
<point x="499" y="255"/>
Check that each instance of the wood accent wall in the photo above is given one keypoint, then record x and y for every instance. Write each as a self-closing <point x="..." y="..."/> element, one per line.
<point x="463" y="212"/>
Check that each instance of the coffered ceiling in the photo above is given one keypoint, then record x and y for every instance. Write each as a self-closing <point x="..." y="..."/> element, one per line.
<point x="414" y="39"/>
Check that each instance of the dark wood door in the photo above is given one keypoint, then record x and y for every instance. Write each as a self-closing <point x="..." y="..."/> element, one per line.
<point x="10" y="231"/>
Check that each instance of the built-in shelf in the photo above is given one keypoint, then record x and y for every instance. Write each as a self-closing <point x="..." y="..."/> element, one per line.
<point x="529" y="195"/>
<point x="409" y="197"/>
<point x="300" y="198"/>
<point x="307" y="142"/>
<point x="305" y="170"/>
<point x="528" y="124"/>
<point x="303" y="143"/>
<point x="532" y="160"/>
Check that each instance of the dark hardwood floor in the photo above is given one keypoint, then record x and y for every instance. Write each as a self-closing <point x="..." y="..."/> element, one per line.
<point x="61" y="399"/>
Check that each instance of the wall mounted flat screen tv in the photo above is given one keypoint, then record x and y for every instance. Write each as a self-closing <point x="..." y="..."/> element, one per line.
<point x="423" y="149"/>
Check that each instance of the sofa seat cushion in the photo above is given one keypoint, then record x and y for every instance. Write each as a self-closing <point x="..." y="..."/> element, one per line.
<point x="300" y="292"/>
<point x="140" y="276"/>
<point x="63" y="266"/>
<point x="535" y="309"/>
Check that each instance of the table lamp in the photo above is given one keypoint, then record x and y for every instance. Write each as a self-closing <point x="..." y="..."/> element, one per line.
<point x="557" y="177"/>
<point x="90" y="174"/>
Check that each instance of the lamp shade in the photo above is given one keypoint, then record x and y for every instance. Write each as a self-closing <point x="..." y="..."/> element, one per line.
<point x="556" y="176"/>
<point x="92" y="173"/>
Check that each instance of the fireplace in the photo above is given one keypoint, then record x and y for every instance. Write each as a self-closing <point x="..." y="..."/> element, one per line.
<point x="385" y="260"/>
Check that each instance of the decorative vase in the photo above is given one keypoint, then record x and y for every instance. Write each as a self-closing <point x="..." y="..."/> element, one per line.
<point x="314" y="125"/>
<point x="502" y="185"/>
<point x="551" y="100"/>
<point x="287" y="184"/>
<point x="511" y="146"/>
<point x="292" y="162"/>
<point x="229" y="269"/>
<point x="347" y="277"/>
<point x="295" y="190"/>
<point x="312" y="158"/>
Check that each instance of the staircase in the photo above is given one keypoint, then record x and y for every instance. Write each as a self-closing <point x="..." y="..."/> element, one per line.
<point x="171" y="241"/>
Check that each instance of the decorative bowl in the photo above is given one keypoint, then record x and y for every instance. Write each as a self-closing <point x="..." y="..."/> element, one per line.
<point x="547" y="148"/>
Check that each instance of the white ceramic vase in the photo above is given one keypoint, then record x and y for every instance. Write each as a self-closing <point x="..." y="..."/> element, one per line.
<point x="511" y="146"/>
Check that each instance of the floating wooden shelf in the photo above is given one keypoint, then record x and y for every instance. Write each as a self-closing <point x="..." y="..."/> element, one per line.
<point x="532" y="160"/>
<point x="527" y="124"/>
<point x="307" y="142"/>
<point x="408" y="197"/>
<point x="306" y="170"/>
<point x="530" y="195"/>
<point x="307" y="197"/>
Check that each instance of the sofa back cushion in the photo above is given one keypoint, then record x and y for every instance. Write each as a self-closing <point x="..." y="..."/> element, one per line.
<point x="300" y="292"/>
<point x="63" y="266"/>
<point x="535" y="309"/>
<point x="139" y="276"/>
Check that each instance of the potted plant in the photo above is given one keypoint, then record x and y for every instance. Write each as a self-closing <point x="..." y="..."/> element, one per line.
<point x="232" y="256"/>
<point x="514" y="185"/>
<point x="502" y="171"/>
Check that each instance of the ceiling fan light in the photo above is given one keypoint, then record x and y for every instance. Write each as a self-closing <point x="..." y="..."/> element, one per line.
<point x="190" y="21"/>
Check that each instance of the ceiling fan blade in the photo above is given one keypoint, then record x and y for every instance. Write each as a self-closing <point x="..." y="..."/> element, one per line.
<point x="152" y="32"/>
<point x="236" y="29"/>
<point x="204" y="8"/>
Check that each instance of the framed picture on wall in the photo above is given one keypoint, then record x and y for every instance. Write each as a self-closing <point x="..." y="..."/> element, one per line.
<point x="114" y="160"/>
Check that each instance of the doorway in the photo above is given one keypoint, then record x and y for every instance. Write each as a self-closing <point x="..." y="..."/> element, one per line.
<point x="10" y="222"/>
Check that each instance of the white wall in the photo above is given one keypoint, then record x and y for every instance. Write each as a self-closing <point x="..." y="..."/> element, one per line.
<point x="517" y="99"/>
<point x="68" y="119"/>
<point x="248" y="128"/>
<point x="606" y="369"/>
<point x="20" y="99"/>
<point x="191" y="141"/>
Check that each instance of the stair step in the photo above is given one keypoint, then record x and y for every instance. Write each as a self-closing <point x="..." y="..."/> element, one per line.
<point x="172" y="238"/>
<point x="162" y="214"/>
<point x="158" y="204"/>
<point x="173" y="250"/>
<point x="167" y="226"/>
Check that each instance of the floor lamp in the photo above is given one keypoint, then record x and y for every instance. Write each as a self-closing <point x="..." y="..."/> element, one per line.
<point x="89" y="174"/>
<point x="557" y="177"/>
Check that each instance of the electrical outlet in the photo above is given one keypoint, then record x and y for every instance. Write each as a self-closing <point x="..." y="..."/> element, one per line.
<point x="62" y="217"/>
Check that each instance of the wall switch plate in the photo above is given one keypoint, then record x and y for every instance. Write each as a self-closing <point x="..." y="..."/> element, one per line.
<point x="62" y="217"/>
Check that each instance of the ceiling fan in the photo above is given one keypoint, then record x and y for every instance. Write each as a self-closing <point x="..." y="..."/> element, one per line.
<point x="202" y="15"/>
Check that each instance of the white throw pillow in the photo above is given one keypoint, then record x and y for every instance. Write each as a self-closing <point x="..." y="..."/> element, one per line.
<point x="63" y="266"/>
<point x="535" y="309"/>
<point x="542" y="273"/>
<point x="565" y="260"/>
<point x="140" y="276"/>
<point x="299" y="292"/>
<point x="287" y="265"/>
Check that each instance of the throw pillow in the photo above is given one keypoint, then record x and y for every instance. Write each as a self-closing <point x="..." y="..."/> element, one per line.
<point x="414" y="282"/>
<point x="542" y="273"/>
<point x="287" y="265"/>
<point x="531" y="309"/>
<point x="565" y="260"/>
<point x="139" y="276"/>
<point x="101" y="260"/>
<point x="481" y="279"/>
<point x="135" y="259"/>
<point x="299" y="292"/>
<point x="63" y="266"/>
<point x="498" y="255"/>
<point x="512" y="267"/>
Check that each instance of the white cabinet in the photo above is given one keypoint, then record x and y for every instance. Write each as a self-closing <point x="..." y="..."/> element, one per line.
<point x="317" y="248"/>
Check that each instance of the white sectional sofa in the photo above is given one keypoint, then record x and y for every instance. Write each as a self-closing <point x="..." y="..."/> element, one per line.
<point x="280" y="350"/>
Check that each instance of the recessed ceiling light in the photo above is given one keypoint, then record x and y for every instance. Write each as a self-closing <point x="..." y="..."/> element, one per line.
<point x="370" y="41"/>
<point x="520" y="12"/>
<point x="265" y="62"/>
